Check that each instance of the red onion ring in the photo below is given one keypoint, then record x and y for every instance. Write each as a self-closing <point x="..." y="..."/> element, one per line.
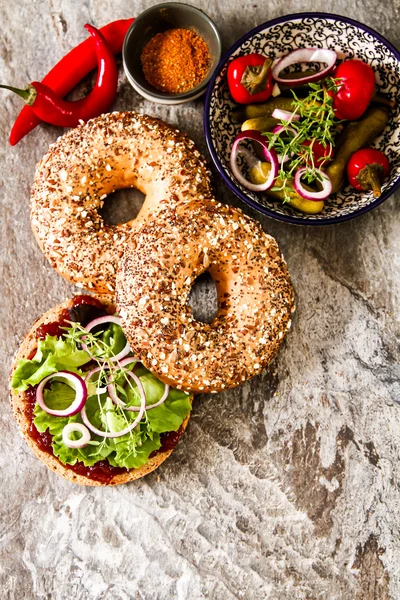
<point x="113" y="394"/>
<point x="116" y="434"/>
<point x="276" y="90"/>
<point x="101" y="321"/>
<point x="302" y="55"/>
<point x="278" y="129"/>
<point x="72" y="427"/>
<point x="285" y="115"/>
<point x="105" y="367"/>
<point x="127" y="361"/>
<point x="80" y="394"/>
<point x="269" y="155"/>
<point x="99" y="390"/>
<point x="321" y="195"/>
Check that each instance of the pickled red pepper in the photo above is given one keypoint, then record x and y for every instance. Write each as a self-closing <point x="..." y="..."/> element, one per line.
<point x="175" y="61"/>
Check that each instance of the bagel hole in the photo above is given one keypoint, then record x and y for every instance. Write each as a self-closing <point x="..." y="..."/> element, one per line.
<point x="203" y="298"/>
<point x="122" y="206"/>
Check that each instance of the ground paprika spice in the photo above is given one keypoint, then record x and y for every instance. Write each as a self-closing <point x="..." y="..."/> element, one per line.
<point x="175" y="61"/>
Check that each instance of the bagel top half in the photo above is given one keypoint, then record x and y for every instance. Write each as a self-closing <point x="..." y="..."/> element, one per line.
<point x="108" y="153"/>
<point x="21" y="413"/>
<point x="255" y="296"/>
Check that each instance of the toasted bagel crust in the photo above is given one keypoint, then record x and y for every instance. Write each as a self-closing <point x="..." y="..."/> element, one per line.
<point x="110" y="152"/>
<point x="18" y="404"/>
<point x="255" y="296"/>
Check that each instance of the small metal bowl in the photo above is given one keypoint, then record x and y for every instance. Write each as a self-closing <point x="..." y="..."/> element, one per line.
<point x="157" y="19"/>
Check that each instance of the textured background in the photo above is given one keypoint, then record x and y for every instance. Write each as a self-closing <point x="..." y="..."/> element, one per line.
<point x="286" y="488"/>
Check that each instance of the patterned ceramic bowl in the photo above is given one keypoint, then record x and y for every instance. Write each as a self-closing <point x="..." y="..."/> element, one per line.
<point x="276" y="38"/>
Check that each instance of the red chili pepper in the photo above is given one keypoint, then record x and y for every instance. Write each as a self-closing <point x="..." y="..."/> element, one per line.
<point x="356" y="89"/>
<point x="321" y="154"/>
<point x="366" y="170"/>
<point x="250" y="78"/>
<point x="52" y="109"/>
<point x="69" y="71"/>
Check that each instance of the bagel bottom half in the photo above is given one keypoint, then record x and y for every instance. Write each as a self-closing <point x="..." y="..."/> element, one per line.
<point x="21" y="414"/>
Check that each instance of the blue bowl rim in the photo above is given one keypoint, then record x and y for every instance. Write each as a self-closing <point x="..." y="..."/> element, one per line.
<point x="207" y="126"/>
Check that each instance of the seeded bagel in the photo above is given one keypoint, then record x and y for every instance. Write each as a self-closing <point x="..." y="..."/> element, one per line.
<point x="111" y="152"/>
<point x="19" y="405"/>
<point x="255" y="296"/>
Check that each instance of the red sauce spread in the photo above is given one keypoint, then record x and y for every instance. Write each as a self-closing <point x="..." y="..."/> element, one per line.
<point x="55" y="328"/>
<point x="102" y="471"/>
<point x="43" y="440"/>
<point x="85" y="299"/>
<point x="169" y="440"/>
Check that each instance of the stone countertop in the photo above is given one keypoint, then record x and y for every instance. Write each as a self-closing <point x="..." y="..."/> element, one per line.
<point x="285" y="488"/>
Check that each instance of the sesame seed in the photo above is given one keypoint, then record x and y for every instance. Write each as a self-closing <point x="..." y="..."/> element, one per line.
<point x="82" y="157"/>
<point x="247" y="329"/>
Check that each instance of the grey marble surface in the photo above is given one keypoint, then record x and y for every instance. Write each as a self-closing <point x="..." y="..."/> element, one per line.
<point x="286" y="488"/>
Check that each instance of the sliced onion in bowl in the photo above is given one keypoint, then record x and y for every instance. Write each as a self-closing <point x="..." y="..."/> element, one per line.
<point x="278" y="129"/>
<point x="72" y="428"/>
<point x="307" y="194"/>
<point x="276" y="91"/>
<point x="285" y="115"/>
<point x="269" y="155"/>
<point x="80" y="394"/>
<point x="305" y="55"/>
<point x="101" y="321"/>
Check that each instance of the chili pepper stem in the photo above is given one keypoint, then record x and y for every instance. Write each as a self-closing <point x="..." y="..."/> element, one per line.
<point x="370" y="178"/>
<point x="254" y="79"/>
<point x="375" y="185"/>
<point x="28" y="94"/>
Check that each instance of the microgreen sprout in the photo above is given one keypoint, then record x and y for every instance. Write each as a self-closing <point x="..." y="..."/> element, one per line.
<point x="317" y="124"/>
<point x="110" y="372"/>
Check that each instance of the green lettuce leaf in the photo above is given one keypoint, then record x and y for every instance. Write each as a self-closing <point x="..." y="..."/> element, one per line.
<point x="131" y="450"/>
<point x="112" y="341"/>
<point x="30" y="372"/>
<point x="53" y="354"/>
<point x="166" y="417"/>
<point x="114" y="338"/>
